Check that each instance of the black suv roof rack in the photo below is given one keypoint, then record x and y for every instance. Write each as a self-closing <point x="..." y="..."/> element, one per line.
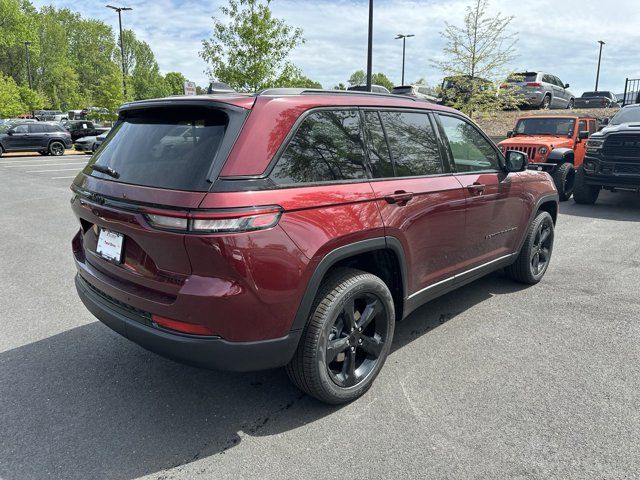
<point x="316" y="91"/>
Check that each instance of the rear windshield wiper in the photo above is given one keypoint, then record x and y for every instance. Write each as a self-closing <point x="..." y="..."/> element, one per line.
<point x="106" y="170"/>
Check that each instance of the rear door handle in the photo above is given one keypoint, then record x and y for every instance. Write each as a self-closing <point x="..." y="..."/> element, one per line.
<point x="399" y="197"/>
<point x="476" y="188"/>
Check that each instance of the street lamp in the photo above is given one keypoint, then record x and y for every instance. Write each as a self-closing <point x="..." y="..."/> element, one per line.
<point x="404" y="45"/>
<point x="370" y="47"/>
<point x="599" y="58"/>
<point x="26" y="50"/>
<point x="124" y="74"/>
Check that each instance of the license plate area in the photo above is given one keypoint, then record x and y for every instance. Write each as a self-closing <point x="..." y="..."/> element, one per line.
<point x="109" y="245"/>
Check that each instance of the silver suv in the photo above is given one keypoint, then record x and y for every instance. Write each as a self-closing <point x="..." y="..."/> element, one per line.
<point x="543" y="90"/>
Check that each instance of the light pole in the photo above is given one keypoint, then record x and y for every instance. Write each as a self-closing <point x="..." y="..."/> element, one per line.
<point x="599" y="58"/>
<point x="370" y="47"/>
<point x="26" y="50"/>
<point x="124" y="73"/>
<point x="404" y="45"/>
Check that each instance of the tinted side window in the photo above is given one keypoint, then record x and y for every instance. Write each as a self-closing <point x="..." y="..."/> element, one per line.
<point x="35" y="128"/>
<point x="413" y="144"/>
<point x="582" y="125"/>
<point x="327" y="146"/>
<point x="547" y="79"/>
<point x="21" y="129"/>
<point x="379" y="156"/>
<point x="471" y="151"/>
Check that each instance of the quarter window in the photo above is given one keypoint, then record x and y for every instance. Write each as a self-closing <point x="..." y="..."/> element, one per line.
<point x="326" y="147"/>
<point x="471" y="151"/>
<point x="413" y="144"/>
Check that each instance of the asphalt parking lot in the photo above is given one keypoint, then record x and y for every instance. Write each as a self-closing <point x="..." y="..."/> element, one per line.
<point x="494" y="380"/>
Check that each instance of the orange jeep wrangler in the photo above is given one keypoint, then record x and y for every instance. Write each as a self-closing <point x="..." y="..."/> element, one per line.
<point x="554" y="143"/>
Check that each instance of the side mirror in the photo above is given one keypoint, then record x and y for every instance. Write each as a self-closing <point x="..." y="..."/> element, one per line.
<point x="510" y="134"/>
<point x="10" y="132"/>
<point x="583" y="134"/>
<point x="516" y="161"/>
<point x="604" y="121"/>
<point x="566" y="85"/>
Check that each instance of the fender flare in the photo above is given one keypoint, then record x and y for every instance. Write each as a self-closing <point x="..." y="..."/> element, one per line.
<point x="561" y="155"/>
<point x="333" y="257"/>
<point x="544" y="199"/>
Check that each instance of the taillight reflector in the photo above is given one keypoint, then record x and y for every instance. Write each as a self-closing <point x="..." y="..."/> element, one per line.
<point x="221" y="221"/>
<point x="181" y="327"/>
<point x="534" y="84"/>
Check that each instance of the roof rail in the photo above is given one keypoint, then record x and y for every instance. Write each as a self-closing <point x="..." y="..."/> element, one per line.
<point x="318" y="91"/>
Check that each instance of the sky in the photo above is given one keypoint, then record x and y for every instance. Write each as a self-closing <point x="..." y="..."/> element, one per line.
<point x="556" y="36"/>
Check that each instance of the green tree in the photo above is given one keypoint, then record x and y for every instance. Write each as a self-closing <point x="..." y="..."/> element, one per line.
<point x="32" y="99"/>
<point x="359" y="77"/>
<point x="251" y="51"/>
<point x="340" y="86"/>
<point x="478" y="51"/>
<point x="382" y="80"/>
<point x="10" y="104"/>
<point x="175" y="83"/>
<point x="17" y="25"/>
<point x="292" y="77"/>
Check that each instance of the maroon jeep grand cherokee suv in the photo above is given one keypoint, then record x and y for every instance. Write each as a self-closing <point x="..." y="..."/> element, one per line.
<point x="294" y="227"/>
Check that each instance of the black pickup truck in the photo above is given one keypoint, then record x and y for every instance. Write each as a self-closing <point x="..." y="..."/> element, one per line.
<point x="83" y="128"/>
<point x="600" y="99"/>
<point x="612" y="158"/>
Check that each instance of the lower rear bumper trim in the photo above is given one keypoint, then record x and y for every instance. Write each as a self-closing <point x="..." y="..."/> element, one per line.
<point x="207" y="352"/>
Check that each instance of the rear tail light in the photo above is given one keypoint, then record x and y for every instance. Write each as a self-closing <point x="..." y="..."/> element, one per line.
<point x="182" y="327"/>
<point x="235" y="221"/>
<point x="533" y="84"/>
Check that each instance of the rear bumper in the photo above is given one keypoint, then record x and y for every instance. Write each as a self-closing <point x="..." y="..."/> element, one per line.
<point x="208" y="352"/>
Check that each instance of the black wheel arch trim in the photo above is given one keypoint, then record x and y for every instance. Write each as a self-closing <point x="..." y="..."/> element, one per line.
<point x="552" y="198"/>
<point x="561" y="155"/>
<point x="341" y="253"/>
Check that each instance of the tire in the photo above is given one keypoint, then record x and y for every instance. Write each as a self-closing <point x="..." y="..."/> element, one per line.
<point x="527" y="268"/>
<point x="360" y="340"/>
<point x="570" y="104"/>
<point x="1" y="151"/>
<point x="56" y="148"/>
<point x="564" y="177"/>
<point x="546" y="102"/>
<point x="584" y="193"/>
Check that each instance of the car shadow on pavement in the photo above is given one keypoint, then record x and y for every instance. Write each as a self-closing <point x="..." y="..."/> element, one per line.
<point x="439" y="311"/>
<point x="621" y="206"/>
<point x="87" y="403"/>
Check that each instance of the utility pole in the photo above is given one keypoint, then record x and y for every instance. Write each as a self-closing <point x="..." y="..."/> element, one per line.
<point x="404" y="45"/>
<point x="370" y="47"/>
<point x="599" y="58"/>
<point x="26" y="50"/>
<point x="124" y="73"/>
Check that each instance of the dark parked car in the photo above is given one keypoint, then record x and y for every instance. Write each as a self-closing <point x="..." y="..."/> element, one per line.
<point x="458" y="88"/>
<point x="42" y="137"/>
<point x="295" y="227"/>
<point x="612" y="159"/>
<point x="83" y="128"/>
<point x="600" y="99"/>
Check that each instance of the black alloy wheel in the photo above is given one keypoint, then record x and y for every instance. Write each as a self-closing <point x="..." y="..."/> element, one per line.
<point x="356" y="340"/>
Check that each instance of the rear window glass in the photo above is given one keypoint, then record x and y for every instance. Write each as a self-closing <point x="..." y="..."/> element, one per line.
<point x="327" y="146"/>
<point x="166" y="148"/>
<point x="523" y="77"/>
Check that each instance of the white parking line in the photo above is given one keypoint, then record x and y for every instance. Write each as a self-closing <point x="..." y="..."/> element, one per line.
<point x="41" y="165"/>
<point x="54" y="170"/>
<point x="40" y="159"/>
